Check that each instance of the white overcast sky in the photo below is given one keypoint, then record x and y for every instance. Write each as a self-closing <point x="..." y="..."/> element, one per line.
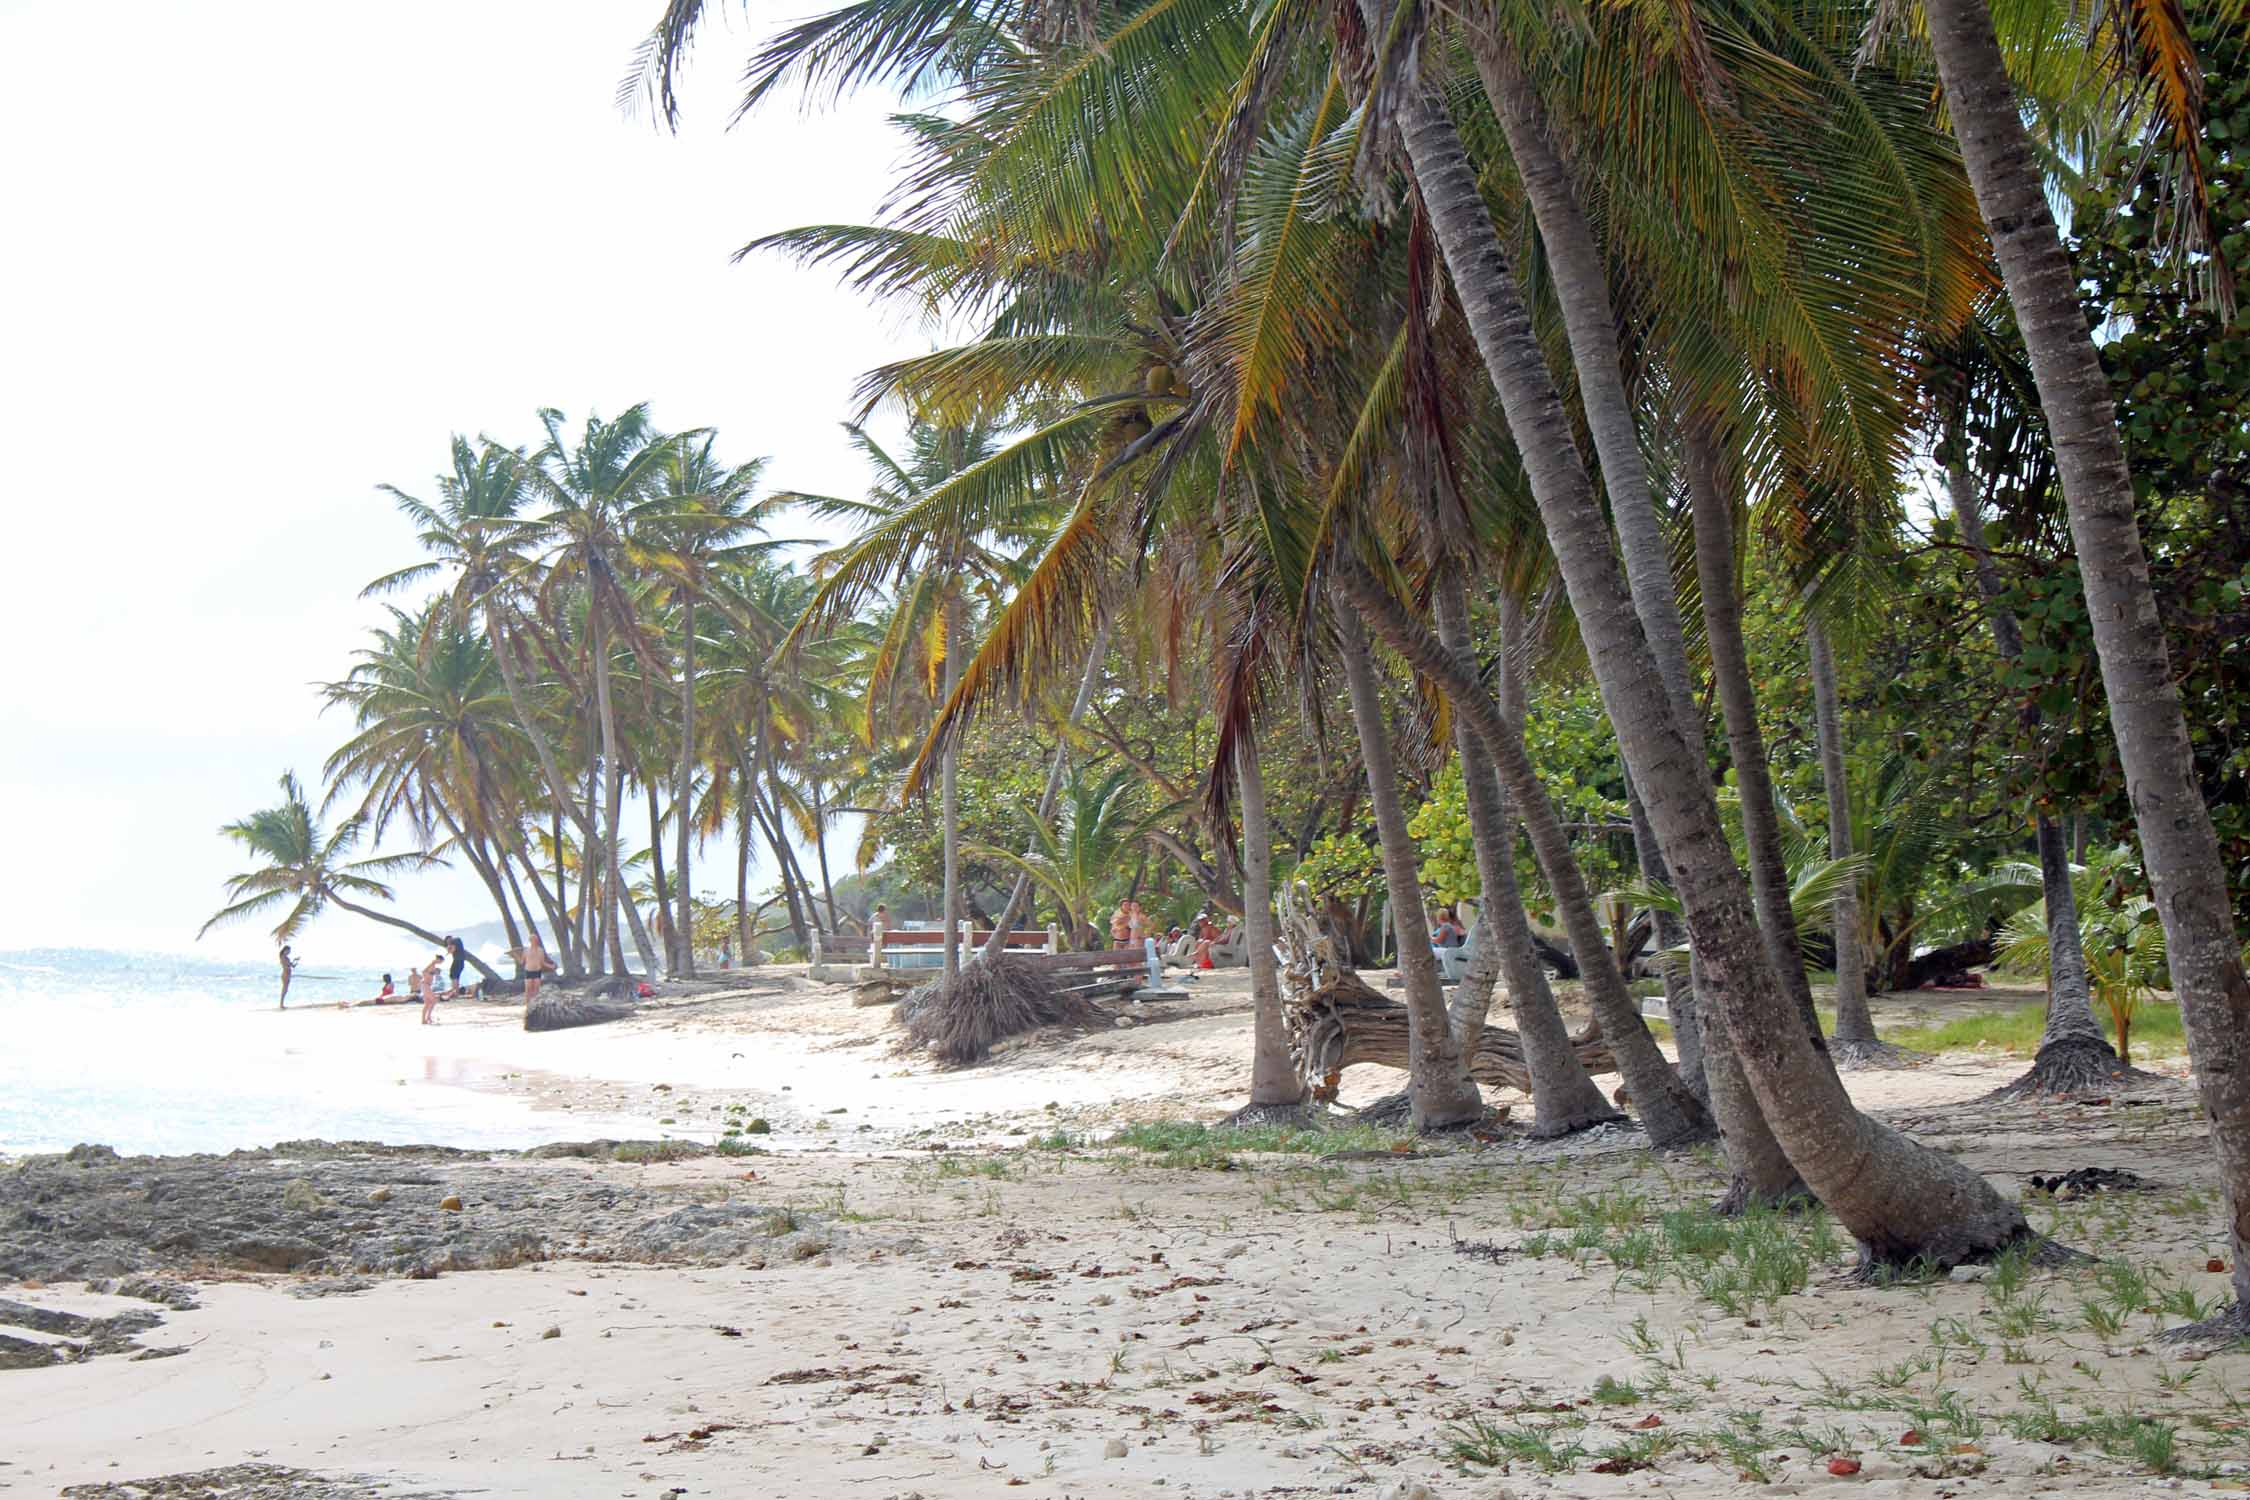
<point x="256" y="257"/>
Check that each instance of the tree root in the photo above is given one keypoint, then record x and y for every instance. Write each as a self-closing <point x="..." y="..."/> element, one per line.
<point x="2072" y="1069"/>
<point x="1872" y="1055"/>
<point x="2231" y="1326"/>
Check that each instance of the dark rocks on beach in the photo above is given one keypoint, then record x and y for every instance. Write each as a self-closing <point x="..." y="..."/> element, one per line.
<point x="250" y="1482"/>
<point x="315" y="1208"/>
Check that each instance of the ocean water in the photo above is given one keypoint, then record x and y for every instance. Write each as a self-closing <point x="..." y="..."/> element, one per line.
<point x="155" y="1053"/>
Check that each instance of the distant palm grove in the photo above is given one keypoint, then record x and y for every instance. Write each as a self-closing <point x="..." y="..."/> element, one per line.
<point x="1665" y="475"/>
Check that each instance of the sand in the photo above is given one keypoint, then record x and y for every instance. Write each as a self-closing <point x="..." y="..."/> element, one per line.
<point x="1074" y="1320"/>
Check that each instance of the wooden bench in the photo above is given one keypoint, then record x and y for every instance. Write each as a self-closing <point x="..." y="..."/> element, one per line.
<point x="919" y="948"/>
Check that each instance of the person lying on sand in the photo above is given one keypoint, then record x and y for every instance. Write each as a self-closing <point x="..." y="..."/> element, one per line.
<point x="384" y="996"/>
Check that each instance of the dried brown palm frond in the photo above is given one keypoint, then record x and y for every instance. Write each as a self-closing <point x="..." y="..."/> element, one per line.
<point x="958" y="1022"/>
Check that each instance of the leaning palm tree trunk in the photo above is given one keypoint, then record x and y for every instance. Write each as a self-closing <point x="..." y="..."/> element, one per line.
<point x="1019" y="895"/>
<point x="2074" y="1056"/>
<point x="1901" y="1201"/>
<point x="2174" y="825"/>
<point x="1563" y="1095"/>
<point x="1712" y="510"/>
<point x="423" y="933"/>
<point x="1672" y="1115"/>
<point x="1439" y="1087"/>
<point x="1275" y="1083"/>
<point x="1855" y="1025"/>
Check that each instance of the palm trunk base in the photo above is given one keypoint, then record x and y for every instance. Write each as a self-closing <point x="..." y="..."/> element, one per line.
<point x="1871" y="1054"/>
<point x="2073" y="1067"/>
<point x="2225" y="1329"/>
<point x="1397" y="1111"/>
<point x="1742" y="1197"/>
<point x="1298" y="1116"/>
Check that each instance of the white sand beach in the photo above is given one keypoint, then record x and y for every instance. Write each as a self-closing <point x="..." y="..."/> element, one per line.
<point x="968" y="1303"/>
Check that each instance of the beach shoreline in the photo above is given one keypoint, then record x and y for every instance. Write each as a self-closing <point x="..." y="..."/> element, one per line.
<point x="943" y="1283"/>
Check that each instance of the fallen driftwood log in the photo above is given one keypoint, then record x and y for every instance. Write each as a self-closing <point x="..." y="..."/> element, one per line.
<point x="1345" y="1022"/>
<point x="559" y="1011"/>
<point x="1335" y="1019"/>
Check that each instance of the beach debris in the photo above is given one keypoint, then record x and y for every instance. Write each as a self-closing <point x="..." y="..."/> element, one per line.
<point x="556" y="1011"/>
<point x="554" y="1331"/>
<point x="986" y="1003"/>
<point x="381" y="1195"/>
<point x="1115" y="1448"/>
<point x="2080" y="1182"/>
<point x="1843" y="1467"/>
<point x="451" y="1203"/>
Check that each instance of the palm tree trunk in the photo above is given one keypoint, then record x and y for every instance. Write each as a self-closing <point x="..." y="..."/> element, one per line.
<point x="1581" y="283"/>
<point x="503" y="652"/>
<point x="745" y="931"/>
<point x="613" y="799"/>
<point x="1274" y="1080"/>
<point x="2177" y="839"/>
<point x="820" y="853"/>
<point x="1855" y="1026"/>
<point x="1672" y="1115"/>
<point x="658" y="886"/>
<point x="1718" y="571"/>
<point x="423" y="933"/>
<point x="683" y="799"/>
<point x="1900" y="1200"/>
<point x="2074" y="1055"/>
<point x="590" y="877"/>
<point x="1563" y="1096"/>
<point x="1679" y="983"/>
<point x="1020" y="893"/>
<point x="1443" y="1094"/>
<point x="949" y="796"/>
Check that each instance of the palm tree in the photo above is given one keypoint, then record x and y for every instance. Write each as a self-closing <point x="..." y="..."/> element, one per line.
<point x="2118" y="936"/>
<point x="306" y="870"/>
<point x="2174" y="824"/>
<point x="1079" y="856"/>
<point x="596" y="488"/>
<point x="477" y="531"/>
<point x="703" y="511"/>
<point x="437" y="745"/>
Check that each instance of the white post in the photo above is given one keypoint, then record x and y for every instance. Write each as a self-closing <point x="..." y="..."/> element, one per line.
<point x="818" y="956"/>
<point x="1054" y="938"/>
<point x="966" y="930"/>
<point x="1155" y="957"/>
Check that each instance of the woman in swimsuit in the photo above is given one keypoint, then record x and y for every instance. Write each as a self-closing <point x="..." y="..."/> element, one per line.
<point x="428" y="973"/>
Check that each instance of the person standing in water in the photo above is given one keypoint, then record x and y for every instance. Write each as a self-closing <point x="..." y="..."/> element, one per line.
<point x="288" y="971"/>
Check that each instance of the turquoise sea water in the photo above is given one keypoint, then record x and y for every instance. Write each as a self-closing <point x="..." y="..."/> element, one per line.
<point x="157" y="1053"/>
